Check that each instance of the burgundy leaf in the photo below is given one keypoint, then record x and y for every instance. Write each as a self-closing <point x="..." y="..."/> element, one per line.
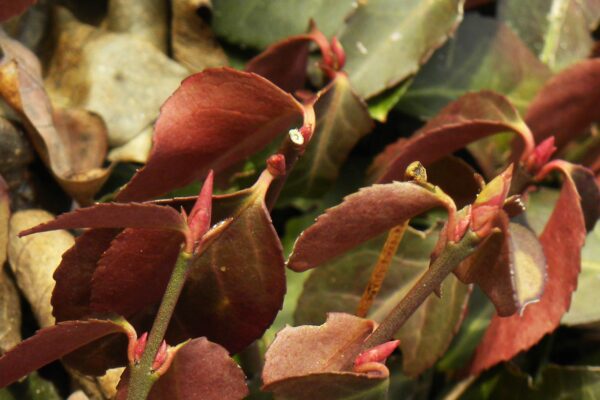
<point x="11" y="8"/>
<point x="468" y="119"/>
<point x="50" y="344"/>
<point x="215" y="119"/>
<point x="117" y="215"/>
<point x="360" y="217"/>
<point x="562" y="239"/>
<point x="316" y="361"/>
<point x="567" y="104"/>
<point x="201" y="370"/>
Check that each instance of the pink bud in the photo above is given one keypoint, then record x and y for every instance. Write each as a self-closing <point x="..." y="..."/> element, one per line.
<point x="140" y="346"/>
<point x="338" y="52"/>
<point x="541" y="155"/>
<point x="377" y="353"/>
<point x="161" y="356"/>
<point x="199" y="218"/>
<point x="462" y="224"/>
<point x="276" y="165"/>
<point x="489" y="202"/>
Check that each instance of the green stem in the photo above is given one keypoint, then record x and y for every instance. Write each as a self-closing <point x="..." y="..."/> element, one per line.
<point x="448" y="260"/>
<point x="142" y="375"/>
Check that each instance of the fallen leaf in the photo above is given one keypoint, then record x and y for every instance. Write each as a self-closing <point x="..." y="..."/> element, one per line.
<point x="472" y="117"/>
<point x="559" y="32"/>
<point x="475" y="59"/>
<point x="342" y="120"/>
<point x="136" y="150"/>
<point x="361" y="216"/>
<point x="384" y="43"/>
<point x="193" y="41"/>
<point x="201" y="370"/>
<point x="34" y="259"/>
<point x="567" y="104"/>
<point x="215" y="119"/>
<point x="72" y="143"/>
<point x="131" y="77"/>
<point x="562" y="240"/>
<point x="50" y="344"/>
<point x="146" y="20"/>
<point x="428" y="332"/>
<point x="315" y="362"/>
<point x="258" y="23"/>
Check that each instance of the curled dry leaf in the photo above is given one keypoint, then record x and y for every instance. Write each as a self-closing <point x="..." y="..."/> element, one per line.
<point x="116" y="75"/>
<point x="71" y="142"/>
<point x="146" y="20"/>
<point x="567" y="104"/>
<point x="34" y="259"/>
<point x="52" y="343"/>
<point x="472" y="117"/>
<point x="427" y="333"/>
<point x="215" y="119"/>
<point x="194" y="44"/>
<point x="9" y="9"/>
<point x="201" y="370"/>
<point x="562" y="240"/>
<point x="316" y="361"/>
<point x="363" y="216"/>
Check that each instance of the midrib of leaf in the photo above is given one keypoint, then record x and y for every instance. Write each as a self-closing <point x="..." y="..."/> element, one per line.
<point x="325" y="135"/>
<point x="556" y="18"/>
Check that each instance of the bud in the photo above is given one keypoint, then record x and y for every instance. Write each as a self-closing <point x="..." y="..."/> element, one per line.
<point x="199" y="218"/>
<point x="416" y="172"/>
<point x="376" y="354"/>
<point x="276" y="165"/>
<point x="489" y="202"/>
<point x="540" y="155"/>
<point x="140" y="346"/>
<point x="161" y="356"/>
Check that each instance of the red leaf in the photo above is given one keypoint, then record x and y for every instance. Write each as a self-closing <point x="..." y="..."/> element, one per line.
<point x="567" y="104"/>
<point x="11" y="8"/>
<point x="468" y="119"/>
<point x="50" y="344"/>
<point x="360" y="217"/>
<point x="215" y="119"/>
<point x="201" y="370"/>
<point x="562" y="239"/>
<point x="117" y="215"/>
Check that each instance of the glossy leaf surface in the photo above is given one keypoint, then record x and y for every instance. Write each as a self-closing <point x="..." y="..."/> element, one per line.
<point x="215" y="119"/>
<point x="384" y="43"/>
<point x="475" y="59"/>
<point x="361" y="216"/>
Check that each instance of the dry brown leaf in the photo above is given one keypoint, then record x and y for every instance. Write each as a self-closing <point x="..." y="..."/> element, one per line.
<point x="120" y="77"/>
<point x="194" y="44"/>
<point x="144" y="19"/>
<point x="72" y="143"/>
<point x="33" y="260"/>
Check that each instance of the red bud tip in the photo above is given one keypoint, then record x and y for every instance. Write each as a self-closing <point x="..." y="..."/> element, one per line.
<point x="276" y="165"/>
<point x="199" y="218"/>
<point x="377" y="353"/>
<point x="462" y="224"/>
<point x="140" y="346"/>
<point x="161" y="356"/>
<point x="338" y="52"/>
<point x="541" y="155"/>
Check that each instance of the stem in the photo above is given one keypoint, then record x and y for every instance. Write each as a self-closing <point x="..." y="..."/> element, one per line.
<point x="448" y="260"/>
<point x="380" y="269"/>
<point x="142" y="375"/>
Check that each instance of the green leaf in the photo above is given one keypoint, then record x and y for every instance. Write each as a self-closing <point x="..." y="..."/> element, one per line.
<point x="342" y="119"/>
<point x="382" y="104"/>
<point x="484" y="54"/>
<point x="428" y="332"/>
<point x="557" y="31"/>
<point x="33" y="387"/>
<point x="258" y="23"/>
<point x="385" y="40"/>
